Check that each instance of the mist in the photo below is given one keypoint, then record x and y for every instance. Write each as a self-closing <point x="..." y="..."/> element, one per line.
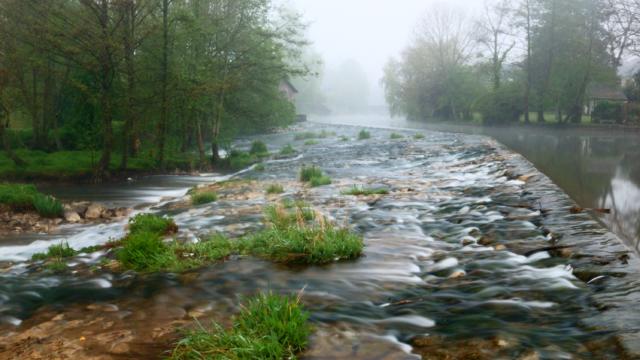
<point x="367" y="32"/>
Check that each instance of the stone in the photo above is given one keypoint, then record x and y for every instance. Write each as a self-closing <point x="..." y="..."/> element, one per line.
<point x="94" y="211"/>
<point x="72" y="216"/>
<point x="122" y="212"/>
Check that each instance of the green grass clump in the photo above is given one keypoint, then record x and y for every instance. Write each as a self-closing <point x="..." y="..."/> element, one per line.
<point x="309" y="172"/>
<point x="204" y="198"/>
<point x="268" y="327"/>
<point x="195" y="255"/>
<point x="344" y="138"/>
<point x="48" y="206"/>
<point x="145" y="251"/>
<point x="418" y="136"/>
<point x="361" y="190"/>
<point x="20" y="197"/>
<point x="320" y="181"/>
<point x="281" y="218"/>
<point x="306" y="136"/>
<point x="56" y="266"/>
<point x="275" y="189"/>
<point x="238" y="160"/>
<point x="364" y="135"/>
<point x="288" y="150"/>
<point x="260" y="167"/>
<point x="311" y="142"/>
<point x="396" y="136"/>
<point x="57" y="251"/>
<point x="259" y="149"/>
<point x="151" y="223"/>
<point x="295" y="240"/>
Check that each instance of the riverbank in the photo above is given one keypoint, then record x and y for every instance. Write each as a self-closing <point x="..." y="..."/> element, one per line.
<point x="471" y="245"/>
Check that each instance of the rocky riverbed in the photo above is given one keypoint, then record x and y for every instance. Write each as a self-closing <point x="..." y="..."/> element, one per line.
<point x="472" y="254"/>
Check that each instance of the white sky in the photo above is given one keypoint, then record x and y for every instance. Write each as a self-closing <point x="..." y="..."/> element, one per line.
<point x="369" y="31"/>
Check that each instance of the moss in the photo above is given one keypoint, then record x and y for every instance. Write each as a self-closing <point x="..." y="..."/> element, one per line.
<point x="204" y="198"/>
<point x="360" y="190"/>
<point x="364" y="135"/>
<point x="268" y="327"/>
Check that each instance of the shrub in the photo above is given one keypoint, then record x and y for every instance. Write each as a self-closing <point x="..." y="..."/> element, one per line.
<point x="501" y="106"/>
<point x="275" y="189"/>
<point x="48" y="206"/>
<point x="288" y="150"/>
<point x="320" y="181"/>
<point x="607" y="111"/>
<point x="360" y="190"/>
<point x="204" y="198"/>
<point x="259" y="148"/>
<point x="151" y="223"/>
<point x="396" y="136"/>
<point x="268" y="327"/>
<point x="364" y="135"/>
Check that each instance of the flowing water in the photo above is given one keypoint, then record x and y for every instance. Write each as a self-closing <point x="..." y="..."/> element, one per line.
<point x="457" y="261"/>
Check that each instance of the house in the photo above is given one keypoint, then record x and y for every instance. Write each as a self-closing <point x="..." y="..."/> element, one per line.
<point x="599" y="93"/>
<point x="288" y="90"/>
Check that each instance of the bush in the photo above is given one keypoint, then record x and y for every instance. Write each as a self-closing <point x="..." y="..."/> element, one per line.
<point x="48" y="206"/>
<point x="268" y="327"/>
<point x="502" y="106"/>
<point x="364" y="135"/>
<point x="204" y="198"/>
<point x="275" y="189"/>
<point x="288" y="150"/>
<point x="151" y="223"/>
<point x="360" y="190"/>
<point x="259" y="148"/>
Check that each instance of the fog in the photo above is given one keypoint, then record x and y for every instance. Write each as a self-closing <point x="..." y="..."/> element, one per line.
<point x="367" y="31"/>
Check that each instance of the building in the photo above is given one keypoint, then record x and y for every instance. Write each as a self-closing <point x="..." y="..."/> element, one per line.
<point x="598" y="93"/>
<point x="288" y="90"/>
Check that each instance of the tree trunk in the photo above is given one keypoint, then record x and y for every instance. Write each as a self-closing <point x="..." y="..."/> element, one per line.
<point x="164" y="108"/>
<point x="527" y="91"/>
<point x="129" y="24"/>
<point x="6" y="144"/>
<point x="200" y="140"/>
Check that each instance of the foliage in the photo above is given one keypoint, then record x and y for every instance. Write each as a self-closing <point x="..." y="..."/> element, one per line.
<point x="364" y="135"/>
<point x="48" y="206"/>
<point x="311" y="142"/>
<point x="58" y="251"/>
<point x="152" y="224"/>
<point x="239" y="160"/>
<point x="268" y="327"/>
<point x="275" y="189"/>
<point x="145" y="251"/>
<point x="607" y="111"/>
<point x="361" y="190"/>
<point x="26" y="197"/>
<point x="307" y="135"/>
<point x="418" y="136"/>
<point x="396" y="136"/>
<point x="206" y="197"/>
<point x="259" y="167"/>
<point x="320" y="181"/>
<point x="501" y="106"/>
<point x="344" y="138"/>
<point x="309" y="172"/>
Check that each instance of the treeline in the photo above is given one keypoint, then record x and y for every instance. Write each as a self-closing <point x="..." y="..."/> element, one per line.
<point x="519" y="61"/>
<point x="143" y="78"/>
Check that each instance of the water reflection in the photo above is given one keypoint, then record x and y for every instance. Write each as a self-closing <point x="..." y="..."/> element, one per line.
<point x="597" y="168"/>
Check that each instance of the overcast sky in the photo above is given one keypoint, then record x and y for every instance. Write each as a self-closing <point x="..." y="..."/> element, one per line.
<point x="369" y="31"/>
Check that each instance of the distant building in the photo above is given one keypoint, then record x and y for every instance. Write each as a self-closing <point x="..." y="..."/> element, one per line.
<point x="598" y="93"/>
<point x="288" y="90"/>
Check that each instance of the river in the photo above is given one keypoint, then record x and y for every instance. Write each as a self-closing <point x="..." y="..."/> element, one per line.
<point x="456" y="261"/>
<point x="598" y="168"/>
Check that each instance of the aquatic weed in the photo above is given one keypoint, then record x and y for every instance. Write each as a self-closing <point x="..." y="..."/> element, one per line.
<point x="204" y="198"/>
<point x="361" y="190"/>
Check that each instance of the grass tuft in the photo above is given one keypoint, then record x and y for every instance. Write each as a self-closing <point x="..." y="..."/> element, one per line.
<point x="309" y="172"/>
<point x="20" y="197"/>
<point x="268" y="327"/>
<point x="57" y="251"/>
<point x="396" y="136"/>
<point x="292" y="238"/>
<point x="418" y="136"/>
<point x="320" y="181"/>
<point x="311" y="142"/>
<point x="361" y="190"/>
<point x="151" y="223"/>
<point x="288" y="150"/>
<point x="307" y="135"/>
<point x="259" y="149"/>
<point x="344" y="138"/>
<point x="260" y="167"/>
<point x="275" y="189"/>
<point x="364" y="135"/>
<point x="204" y="198"/>
<point x="48" y="206"/>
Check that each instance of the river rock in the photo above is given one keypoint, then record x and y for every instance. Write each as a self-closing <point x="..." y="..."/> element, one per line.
<point x="72" y="216"/>
<point x="122" y="212"/>
<point x="94" y="211"/>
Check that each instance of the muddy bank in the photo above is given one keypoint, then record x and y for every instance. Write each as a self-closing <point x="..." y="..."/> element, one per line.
<point x="472" y="252"/>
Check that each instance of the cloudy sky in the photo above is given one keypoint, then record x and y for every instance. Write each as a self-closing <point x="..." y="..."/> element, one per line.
<point x="369" y="31"/>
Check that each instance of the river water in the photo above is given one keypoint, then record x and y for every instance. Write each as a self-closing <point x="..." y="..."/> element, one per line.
<point x="598" y="168"/>
<point x="456" y="262"/>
